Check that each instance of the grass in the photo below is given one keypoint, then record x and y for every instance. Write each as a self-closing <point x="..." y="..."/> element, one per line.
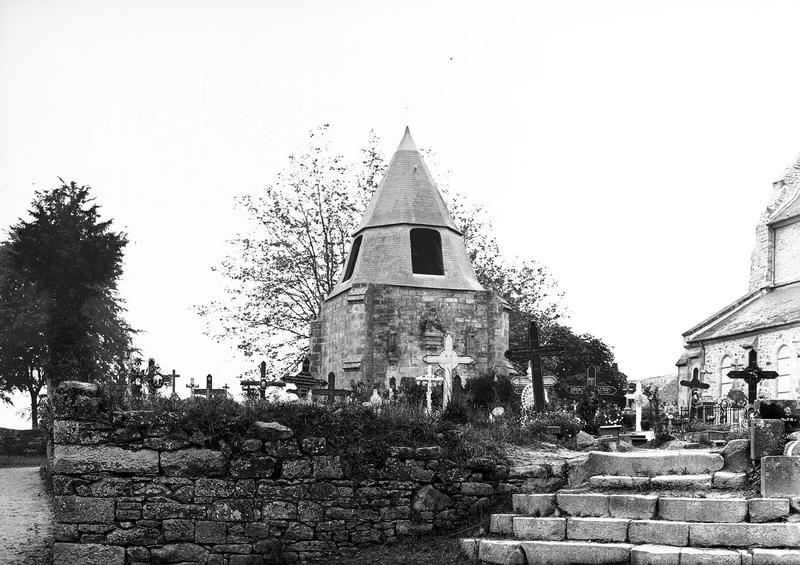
<point x="22" y="461"/>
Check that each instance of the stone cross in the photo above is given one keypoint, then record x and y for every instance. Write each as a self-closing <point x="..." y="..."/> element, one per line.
<point x="304" y="380"/>
<point x="173" y="376"/>
<point x="429" y="379"/>
<point x="448" y="360"/>
<point x="752" y="375"/>
<point x="191" y="386"/>
<point x="533" y="354"/>
<point x="639" y="401"/>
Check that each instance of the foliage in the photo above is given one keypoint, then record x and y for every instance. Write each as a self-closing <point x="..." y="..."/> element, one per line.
<point x="60" y="313"/>
<point x="535" y="424"/>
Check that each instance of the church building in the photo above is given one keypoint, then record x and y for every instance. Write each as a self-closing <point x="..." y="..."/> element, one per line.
<point x="764" y="324"/>
<point x="407" y="283"/>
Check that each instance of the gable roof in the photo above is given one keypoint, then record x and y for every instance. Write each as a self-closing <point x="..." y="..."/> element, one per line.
<point x="407" y="193"/>
<point x="776" y="306"/>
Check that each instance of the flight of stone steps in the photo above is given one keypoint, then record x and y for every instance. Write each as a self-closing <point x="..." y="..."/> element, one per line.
<point x="656" y="526"/>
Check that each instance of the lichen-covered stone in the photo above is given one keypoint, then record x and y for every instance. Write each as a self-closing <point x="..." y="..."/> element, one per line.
<point x="180" y="552"/>
<point x="272" y="431"/>
<point x="314" y="445"/>
<point x="328" y="467"/>
<point x="297" y="469"/>
<point x="251" y="445"/>
<point x="234" y="510"/>
<point x="780" y="476"/>
<point x="434" y="452"/>
<point x="194" y="462"/>
<point x="210" y="532"/>
<point x="87" y="554"/>
<point x="279" y="511"/>
<point x="178" y="530"/>
<point x="428" y="499"/>
<point x="767" y="437"/>
<point x="82" y="459"/>
<point x="253" y="466"/>
<point x="736" y="454"/>
<point x="81" y="510"/>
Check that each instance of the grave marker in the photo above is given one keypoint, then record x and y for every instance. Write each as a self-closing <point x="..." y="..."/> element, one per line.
<point x="533" y="354"/>
<point x="428" y="379"/>
<point x="448" y="360"/>
<point x="752" y="375"/>
<point x="304" y="380"/>
<point x="331" y="392"/>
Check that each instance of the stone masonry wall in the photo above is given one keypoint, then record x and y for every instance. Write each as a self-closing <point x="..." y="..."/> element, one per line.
<point x="127" y="490"/>
<point x="363" y="318"/>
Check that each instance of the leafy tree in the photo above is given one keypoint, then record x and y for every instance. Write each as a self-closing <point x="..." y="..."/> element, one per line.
<point x="60" y="313"/>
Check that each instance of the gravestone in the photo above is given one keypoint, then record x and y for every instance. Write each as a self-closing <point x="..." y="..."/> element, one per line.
<point x="448" y="360"/>
<point x="767" y="437"/>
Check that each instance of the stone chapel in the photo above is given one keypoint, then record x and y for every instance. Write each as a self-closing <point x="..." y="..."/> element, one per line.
<point x="406" y="284"/>
<point x="765" y="322"/>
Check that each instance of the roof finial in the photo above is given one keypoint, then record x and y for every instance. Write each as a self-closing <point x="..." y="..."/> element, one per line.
<point x="407" y="143"/>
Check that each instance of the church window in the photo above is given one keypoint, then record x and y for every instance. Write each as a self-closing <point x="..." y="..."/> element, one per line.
<point x="785" y="382"/>
<point x="726" y="383"/>
<point x="351" y="262"/>
<point x="426" y="252"/>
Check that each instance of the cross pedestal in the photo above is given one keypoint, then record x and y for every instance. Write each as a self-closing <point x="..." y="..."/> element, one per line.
<point x="448" y="360"/>
<point x="429" y="379"/>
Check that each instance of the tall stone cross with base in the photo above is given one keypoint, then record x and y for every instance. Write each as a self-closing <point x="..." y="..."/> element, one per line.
<point x="533" y="354"/>
<point x="429" y="379"/>
<point x="448" y="360"/>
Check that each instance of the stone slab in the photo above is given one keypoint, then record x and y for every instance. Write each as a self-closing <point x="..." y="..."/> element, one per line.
<point x="87" y="554"/>
<point x="534" y="504"/>
<point x="82" y="459"/>
<point x="570" y="553"/>
<point x="598" y="529"/>
<point x="83" y="510"/>
<point x="695" y="556"/>
<point x="622" y="481"/>
<point x="655" y="555"/>
<point x="729" y="480"/>
<point x="469" y="547"/>
<point x="636" y="506"/>
<point x="692" y="482"/>
<point x="702" y="509"/>
<point x="501" y="524"/>
<point x="768" y="509"/>
<point x="767" y="437"/>
<point x="776" y="557"/>
<point x="780" y="476"/>
<point x="745" y="535"/>
<point x="737" y="456"/>
<point x="501" y="552"/>
<point x="194" y="462"/>
<point x="653" y="463"/>
<point x="658" y="532"/>
<point x="552" y="529"/>
<point x="583" y="504"/>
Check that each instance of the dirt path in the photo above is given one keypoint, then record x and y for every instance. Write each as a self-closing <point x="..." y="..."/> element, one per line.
<point x="26" y="517"/>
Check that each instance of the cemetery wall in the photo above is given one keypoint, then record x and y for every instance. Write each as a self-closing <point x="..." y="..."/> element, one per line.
<point x="22" y="442"/>
<point x="354" y="334"/>
<point x="128" y="490"/>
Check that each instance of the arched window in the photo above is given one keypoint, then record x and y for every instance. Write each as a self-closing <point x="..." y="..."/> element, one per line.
<point x="725" y="366"/>
<point x="351" y="262"/>
<point x="426" y="252"/>
<point x="785" y="380"/>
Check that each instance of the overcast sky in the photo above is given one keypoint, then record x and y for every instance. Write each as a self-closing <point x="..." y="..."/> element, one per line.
<point x="628" y="146"/>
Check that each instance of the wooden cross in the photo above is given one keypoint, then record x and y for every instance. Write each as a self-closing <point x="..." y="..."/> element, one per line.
<point x="533" y="354"/>
<point x="331" y="392"/>
<point x="173" y="376"/>
<point x="448" y="360"/>
<point x="304" y="380"/>
<point x="752" y="375"/>
<point x="429" y="379"/>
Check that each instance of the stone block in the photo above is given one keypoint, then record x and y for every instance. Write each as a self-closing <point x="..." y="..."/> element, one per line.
<point x="179" y="553"/>
<point x="87" y="554"/>
<point x="636" y="506"/>
<point x="679" y="482"/>
<point x="83" y="510"/>
<point x="178" y="530"/>
<point x="133" y="536"/>
<point x="233" y="510"/>
<point x="272" y="431"/>
<point x="553" y="529"/>
<point x="658" y="532"/>
<point x="501" y="552"/>
<point x="583" y="504"/>
<point x="572" y="552"/>
<point x="780" y="476"/>
<point x="253" y="467"/>
<point x="613" y="481"/>
<point x="695" y="556"/>
<point x="655" y="555"/>
<point x="768" y="509"/>
<point x="210" y="532"/>
<point x="745" y="535"/>
<point x="534" y="504"/>
<point x="703" y="509"/>
<point x="730" y="479"/>
<point x="429" y="499"/>
<point x="501" y="523"/>
<point x="468" y="548"/>
<point x="246" y="560"/>
<point x="736" y="454"/>
<point x="279" y="511"/>
<point x="650" y="463"/>
<point x="194" y="462"/>
<point x="251" y="445"/>
<point x="327" y="467"/>
<point x="84" y="459"/>
<point x="296" y="469"/>
<point x="776" y="557"/>
<point x="434" y="452"/>
<point x="477" y="489"/>
<point x="767" y="437"/>
<point x="598" y="529"/>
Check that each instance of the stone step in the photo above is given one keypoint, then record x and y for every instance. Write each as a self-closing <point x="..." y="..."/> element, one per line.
<point x="718" y="480"/>
<point x="645" y="464"/>
<point x="508" y="552"/>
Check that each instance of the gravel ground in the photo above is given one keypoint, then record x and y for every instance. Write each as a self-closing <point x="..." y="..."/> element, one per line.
<point x="26" y="517"/>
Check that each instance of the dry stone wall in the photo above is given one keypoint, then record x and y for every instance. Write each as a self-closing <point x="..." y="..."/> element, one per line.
<point x="127" y="490"/>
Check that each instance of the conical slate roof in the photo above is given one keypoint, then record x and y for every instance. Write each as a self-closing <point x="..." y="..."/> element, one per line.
<point x="407" y="193"/>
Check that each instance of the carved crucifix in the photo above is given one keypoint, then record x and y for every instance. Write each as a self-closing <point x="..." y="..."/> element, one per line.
<point x="429" y="379"/>
<point x="448" y="360"/>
